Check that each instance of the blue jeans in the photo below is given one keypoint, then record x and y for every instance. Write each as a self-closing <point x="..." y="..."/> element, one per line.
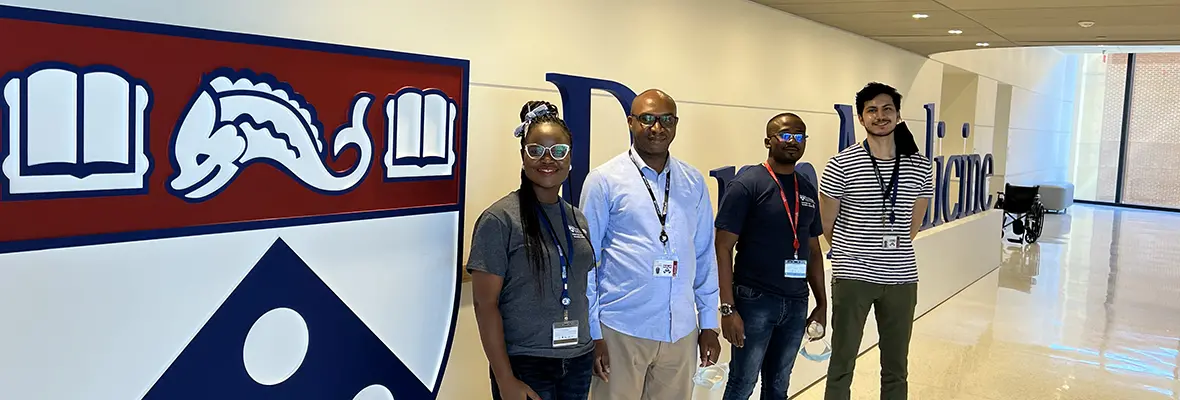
<point x="552" y="378"/>
<point x="774" y="328"/>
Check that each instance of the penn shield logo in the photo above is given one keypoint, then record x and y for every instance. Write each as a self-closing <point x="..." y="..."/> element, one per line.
<point x="213" y="215"/>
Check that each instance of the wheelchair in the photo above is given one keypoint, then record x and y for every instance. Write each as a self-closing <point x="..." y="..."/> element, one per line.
<point x="1023" y="211"/>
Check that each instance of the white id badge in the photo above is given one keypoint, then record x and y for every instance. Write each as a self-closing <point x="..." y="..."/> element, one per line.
<point x="796" y="269"/>
<point x="889" y="242"/>
<point x="665" y="267"/>
<point x="565" y="334"/>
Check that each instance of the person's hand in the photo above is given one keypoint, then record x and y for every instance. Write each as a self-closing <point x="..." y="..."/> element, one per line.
<point x="601" y="360"/>
<point x="514" y="389"/>
<point x="734" y="329"/>
<point x="710" y="347"/>
<point x="820" y="315"/>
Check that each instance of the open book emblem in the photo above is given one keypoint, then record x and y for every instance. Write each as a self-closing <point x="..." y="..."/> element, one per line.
<point x="420" y="133"/>
<point x="74" y="132"/>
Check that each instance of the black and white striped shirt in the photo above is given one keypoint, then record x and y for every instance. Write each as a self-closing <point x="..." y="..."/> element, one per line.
<point x="858" y="250"/>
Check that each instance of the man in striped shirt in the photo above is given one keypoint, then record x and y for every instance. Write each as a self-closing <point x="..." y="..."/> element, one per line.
<point x="873" y="198"/>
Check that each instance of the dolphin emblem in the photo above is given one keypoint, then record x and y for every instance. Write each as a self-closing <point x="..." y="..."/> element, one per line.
<point x="236" y="119"/>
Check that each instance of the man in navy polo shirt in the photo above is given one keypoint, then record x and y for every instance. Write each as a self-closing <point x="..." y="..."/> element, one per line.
<point x="772" y="215"/>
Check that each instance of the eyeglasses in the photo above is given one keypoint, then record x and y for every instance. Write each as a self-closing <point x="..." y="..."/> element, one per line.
<point x="558" y="151"/>
<point x="666" y="120"/>
<point x="791" y="137"/>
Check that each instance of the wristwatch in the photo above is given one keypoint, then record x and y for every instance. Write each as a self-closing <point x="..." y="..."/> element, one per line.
<point x="726" y="309"/>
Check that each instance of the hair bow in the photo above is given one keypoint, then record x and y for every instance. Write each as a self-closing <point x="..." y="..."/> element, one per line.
<point x="528" y="119"/>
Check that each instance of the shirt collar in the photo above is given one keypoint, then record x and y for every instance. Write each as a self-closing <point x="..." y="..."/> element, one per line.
<point x="643" y="165"/>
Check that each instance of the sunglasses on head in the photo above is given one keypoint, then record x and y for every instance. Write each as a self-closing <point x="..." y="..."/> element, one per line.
<point x="791" y="137"/>
<point x="666" y="120"/>
<point x="558" y="151"/>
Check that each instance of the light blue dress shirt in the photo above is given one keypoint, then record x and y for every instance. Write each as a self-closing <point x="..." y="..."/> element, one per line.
<point x="623" y="291"/>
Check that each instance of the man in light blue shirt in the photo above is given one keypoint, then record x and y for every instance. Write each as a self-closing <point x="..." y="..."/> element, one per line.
<point x="650" y="218"/>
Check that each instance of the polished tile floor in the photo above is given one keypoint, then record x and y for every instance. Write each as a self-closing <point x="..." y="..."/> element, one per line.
<point x="1092" y="311"/>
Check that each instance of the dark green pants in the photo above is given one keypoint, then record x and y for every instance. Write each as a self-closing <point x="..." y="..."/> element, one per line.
<point x="894" y="307"/>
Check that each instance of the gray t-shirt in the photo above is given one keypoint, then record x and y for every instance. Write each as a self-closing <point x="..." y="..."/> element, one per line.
<point x="530" y="308"/>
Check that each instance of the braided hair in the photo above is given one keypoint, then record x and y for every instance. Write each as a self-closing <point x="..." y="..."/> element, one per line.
<point x="531" y="114"/>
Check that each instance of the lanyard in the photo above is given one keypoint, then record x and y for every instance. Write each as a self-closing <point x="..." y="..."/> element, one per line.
<point x="888" y="193"/>
<point x="663" y="215"/>
<point x="561" y="255"/>
<point x="790" y="217"/>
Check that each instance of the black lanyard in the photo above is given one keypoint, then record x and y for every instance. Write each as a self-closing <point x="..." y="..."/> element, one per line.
<point x="566" y="260"/>
<point x="663" y="215"/>
<point x="888" y="193"/>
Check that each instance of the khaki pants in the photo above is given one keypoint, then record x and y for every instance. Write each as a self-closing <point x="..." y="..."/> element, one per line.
<point x="642" y="369"/>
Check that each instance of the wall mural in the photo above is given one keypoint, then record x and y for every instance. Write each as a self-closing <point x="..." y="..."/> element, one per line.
<point x="192" y="214"/>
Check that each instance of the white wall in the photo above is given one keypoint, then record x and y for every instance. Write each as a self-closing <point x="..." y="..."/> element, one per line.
<point x="731" y="64"/>
<point x="983" y="130"/>
<point x="1040" y="132"/>
<point x="957" y="106"/>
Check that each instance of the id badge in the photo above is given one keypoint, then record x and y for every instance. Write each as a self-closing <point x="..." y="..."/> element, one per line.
<point x="889" y="242"/>
<point x="565" y="334"/>
<point x="665" y="267"/>
<point x="796" y="269"/>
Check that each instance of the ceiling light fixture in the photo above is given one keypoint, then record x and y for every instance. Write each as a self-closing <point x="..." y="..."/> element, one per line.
<point x="955" y="32"/>
<point x="983" y="44"/>
<point x="1085" y="24"/>
<point x="920" y="16"/>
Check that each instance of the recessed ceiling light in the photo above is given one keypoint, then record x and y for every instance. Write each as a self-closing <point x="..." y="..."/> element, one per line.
<point x="921" y="16"/>
<point x="1085" y="24"/>
<point x="955" y="32"/>
<point x="983" y="44"/>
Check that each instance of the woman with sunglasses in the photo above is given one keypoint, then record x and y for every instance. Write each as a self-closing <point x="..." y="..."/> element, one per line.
<point x="529" y="261"/>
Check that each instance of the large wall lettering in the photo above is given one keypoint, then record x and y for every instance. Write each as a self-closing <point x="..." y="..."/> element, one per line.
<point x="972" y="170"/>
<point x="192" y="214"/>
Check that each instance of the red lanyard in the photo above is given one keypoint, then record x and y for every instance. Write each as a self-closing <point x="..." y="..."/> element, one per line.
<point x="782" y="193"/>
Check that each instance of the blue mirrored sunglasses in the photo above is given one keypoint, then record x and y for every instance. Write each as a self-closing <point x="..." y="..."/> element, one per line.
<point x="792" y="137"/>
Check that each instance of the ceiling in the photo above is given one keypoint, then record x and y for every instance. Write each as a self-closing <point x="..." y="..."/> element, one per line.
<point x="1000" y="23"/>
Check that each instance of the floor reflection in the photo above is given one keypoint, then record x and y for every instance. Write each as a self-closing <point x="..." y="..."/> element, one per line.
<point x="1091" y="311"/>
<point x="1021" y="265"/>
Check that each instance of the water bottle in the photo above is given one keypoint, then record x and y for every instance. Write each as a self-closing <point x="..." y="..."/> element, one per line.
<point x="711" y="377"/>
